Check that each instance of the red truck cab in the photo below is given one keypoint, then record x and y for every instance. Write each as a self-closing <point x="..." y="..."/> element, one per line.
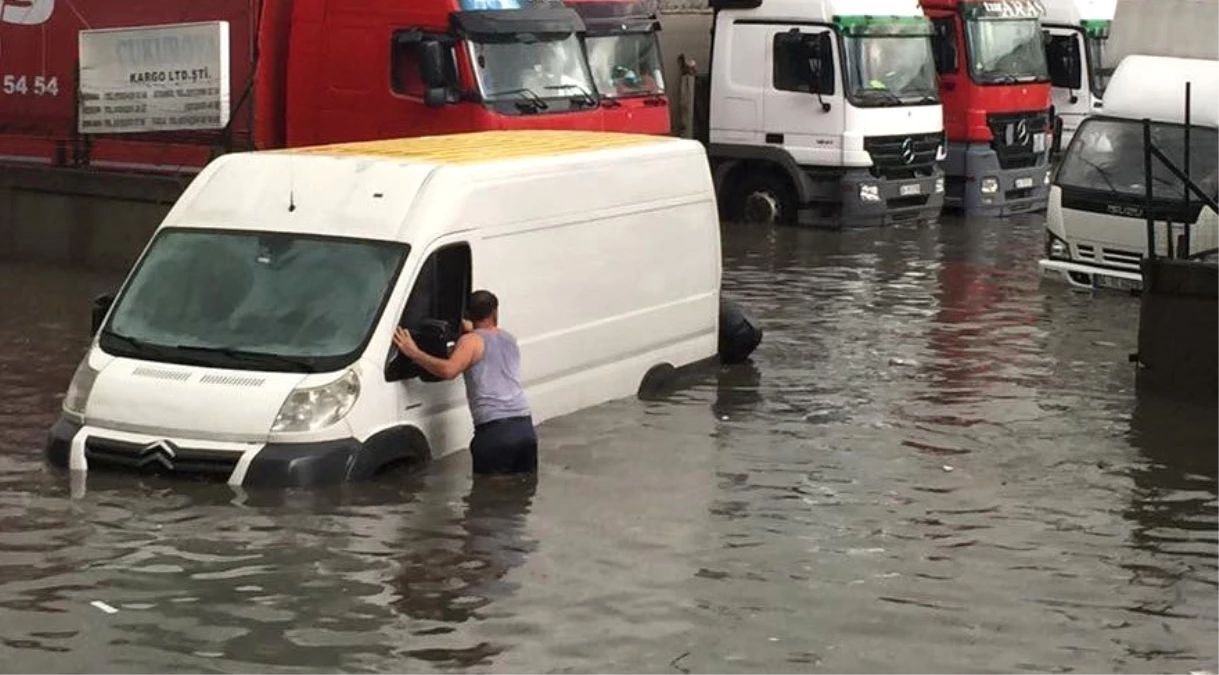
<point x="995" y="88"/>
<point x="623" y="50"/>
<point x="304" y="72"/>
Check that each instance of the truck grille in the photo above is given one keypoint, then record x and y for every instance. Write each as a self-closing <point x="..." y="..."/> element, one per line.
<point x="1110" y="257"/>
<point x="159" y="458"/>
<point x="903" y="156"/>
<point x="1013" y="138"/>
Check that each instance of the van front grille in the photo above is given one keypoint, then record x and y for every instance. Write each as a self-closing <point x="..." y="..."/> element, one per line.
<point x="162" y="458"/>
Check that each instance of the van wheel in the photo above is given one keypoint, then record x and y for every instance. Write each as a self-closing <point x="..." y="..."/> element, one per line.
<point x="765" y="198"/>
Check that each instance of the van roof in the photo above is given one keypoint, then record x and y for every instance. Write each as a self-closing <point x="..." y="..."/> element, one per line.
<point x="1153" y="87"/>
<point x="485" y="146"/>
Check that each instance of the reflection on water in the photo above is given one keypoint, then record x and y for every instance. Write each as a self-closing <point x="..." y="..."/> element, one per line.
<point x="934" y="462"/>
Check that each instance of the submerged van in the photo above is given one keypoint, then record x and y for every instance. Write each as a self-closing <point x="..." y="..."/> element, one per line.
<point x="252" y="340"/>
<point x="1096" y="227"/>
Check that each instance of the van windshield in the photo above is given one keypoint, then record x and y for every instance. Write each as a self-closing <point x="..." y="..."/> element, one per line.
<point x="253" y="301"/>
<point x="1106" y="155"/>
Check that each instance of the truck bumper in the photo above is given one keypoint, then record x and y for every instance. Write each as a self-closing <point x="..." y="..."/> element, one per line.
<point x="978" y="186"/>
<point x="867" y="201"/>
<point x="1087" y="277"/>
<point x="71" y="445"/>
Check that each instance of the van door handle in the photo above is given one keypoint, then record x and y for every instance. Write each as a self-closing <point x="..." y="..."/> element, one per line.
<point x="774" y="138"/>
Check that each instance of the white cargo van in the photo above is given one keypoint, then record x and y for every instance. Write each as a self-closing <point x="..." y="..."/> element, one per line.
<point x="1096" y="227"/>
<point x="252" y="340"/>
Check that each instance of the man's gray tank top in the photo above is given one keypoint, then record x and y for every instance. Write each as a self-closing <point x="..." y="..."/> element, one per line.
<point x="493" y="384"/>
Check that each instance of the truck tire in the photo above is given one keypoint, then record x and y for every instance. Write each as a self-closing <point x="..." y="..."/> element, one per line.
<point x="763" y="197"/>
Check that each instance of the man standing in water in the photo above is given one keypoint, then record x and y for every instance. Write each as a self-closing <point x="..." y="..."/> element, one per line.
<point x="488" y="357"/>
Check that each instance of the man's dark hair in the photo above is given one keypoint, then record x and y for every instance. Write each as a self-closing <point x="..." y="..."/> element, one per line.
<point x="482" y="305"/>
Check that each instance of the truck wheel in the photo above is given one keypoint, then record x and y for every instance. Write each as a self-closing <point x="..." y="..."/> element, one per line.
<point x="765" y="198"/>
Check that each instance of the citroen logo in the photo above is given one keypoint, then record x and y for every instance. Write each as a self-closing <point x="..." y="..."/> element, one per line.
<point x="161" y="452"/>
<point x="908" y="150"/>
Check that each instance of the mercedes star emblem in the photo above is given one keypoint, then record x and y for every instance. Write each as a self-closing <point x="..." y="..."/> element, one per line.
<point x="908" y="150"/>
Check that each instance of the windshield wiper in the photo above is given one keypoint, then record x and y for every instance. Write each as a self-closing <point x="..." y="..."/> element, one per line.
<point x="136" y="344"/>
<point x="1103" y="174"/>
<point x="583" y="92"/>
<point x="261" y="358"/>
<point x="533" y="101"/>
<point x="1005" y="78"/>
<point x="883" y="93"/>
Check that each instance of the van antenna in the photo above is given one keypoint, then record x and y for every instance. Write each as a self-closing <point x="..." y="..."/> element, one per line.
<point x="291" y="185"/>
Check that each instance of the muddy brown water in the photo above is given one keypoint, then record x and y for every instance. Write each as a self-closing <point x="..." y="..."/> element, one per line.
<point x="934" y="463"/>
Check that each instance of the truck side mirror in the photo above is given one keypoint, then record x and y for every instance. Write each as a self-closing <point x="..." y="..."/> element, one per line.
<point x="431" y="64"/>
<point x="1065" y="62"/>
<point x="824" y="51"/>
<point x="945" y="48"/>
<point x="101" y="307"/>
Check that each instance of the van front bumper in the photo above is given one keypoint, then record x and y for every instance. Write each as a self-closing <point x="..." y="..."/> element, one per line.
<point x="1088" y="277"/>
<point x="71" y="445"/>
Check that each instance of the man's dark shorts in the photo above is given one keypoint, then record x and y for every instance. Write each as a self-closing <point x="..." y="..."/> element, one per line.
<point x="505" y="446"/>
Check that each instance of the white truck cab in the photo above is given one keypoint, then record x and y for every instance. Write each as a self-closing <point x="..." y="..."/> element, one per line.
<point x="252" y="341"/>
<point x="1076" y="32"/>
<point x="1096" y="227"/>
<point x="823" y="112"/>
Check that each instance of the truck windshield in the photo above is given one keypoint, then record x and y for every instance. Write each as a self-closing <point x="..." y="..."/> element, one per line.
<point x="544" y="75"/>
<point x="253" y="301"/>
<point x="626" y="65"/>
<point x="890" y="71"/>
<point x="1004" y="51"/>
<point x="1098" y="67"/>
<point x="1107" y="155"/>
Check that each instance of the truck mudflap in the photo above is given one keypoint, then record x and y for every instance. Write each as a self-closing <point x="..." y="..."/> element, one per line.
<point x="868" y="201"/>
<point x="978" y="186"/>
<point x="1087" y="277"/>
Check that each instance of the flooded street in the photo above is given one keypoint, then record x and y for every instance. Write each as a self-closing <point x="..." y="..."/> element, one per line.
<point x="934" y="463"/>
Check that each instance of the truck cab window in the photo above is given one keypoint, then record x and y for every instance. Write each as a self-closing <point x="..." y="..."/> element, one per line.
<point x="800" y="67"/>
<point x="944" y="45"/>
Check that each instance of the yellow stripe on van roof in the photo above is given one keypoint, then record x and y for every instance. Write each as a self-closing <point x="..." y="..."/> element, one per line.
<point x="485" y="146"/>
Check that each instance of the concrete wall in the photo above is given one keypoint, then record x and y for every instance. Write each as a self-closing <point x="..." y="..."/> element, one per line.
<point x="78" y="218"/>
<point x="1188" y="28"/>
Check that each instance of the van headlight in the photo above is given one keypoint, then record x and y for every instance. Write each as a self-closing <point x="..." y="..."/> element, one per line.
<point x="313" y="408"/>
<point x="1056" y="248"/>
<point x="77" y="398"/>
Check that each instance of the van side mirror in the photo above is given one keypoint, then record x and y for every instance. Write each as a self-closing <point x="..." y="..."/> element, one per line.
<point x="101" y="307"/>
<point x="434" y="337"/>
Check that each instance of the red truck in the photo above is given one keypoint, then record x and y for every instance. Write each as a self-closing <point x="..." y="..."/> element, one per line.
<point x="995" y="87"/>
<point x="305" y="72"/>
<point x="623" y="50"/>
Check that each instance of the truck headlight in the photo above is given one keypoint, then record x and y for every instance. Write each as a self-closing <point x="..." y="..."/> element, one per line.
<point x="869" y="192"/>
<point x="939" y="185"/>
<point x="990" y="185"/>
<point x="941" y="153"/>
<point x="1056" y="248"/>
<point x="1047" y="176"/>
<point x="77" y="398"/>
<point x="313" y="408"/>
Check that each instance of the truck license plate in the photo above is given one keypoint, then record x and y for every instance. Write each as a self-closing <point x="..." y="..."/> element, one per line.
<point x="1023" y="183"/>
<point x="1115" y="283"/>
<point x="914" y="189"/>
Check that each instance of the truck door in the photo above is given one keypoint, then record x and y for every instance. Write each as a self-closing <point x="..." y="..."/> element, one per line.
<point x="947" y="48"/>
<point x="803" y="106"/>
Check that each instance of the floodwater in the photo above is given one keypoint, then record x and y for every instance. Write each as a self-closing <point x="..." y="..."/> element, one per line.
<point x="934" y="463"/>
